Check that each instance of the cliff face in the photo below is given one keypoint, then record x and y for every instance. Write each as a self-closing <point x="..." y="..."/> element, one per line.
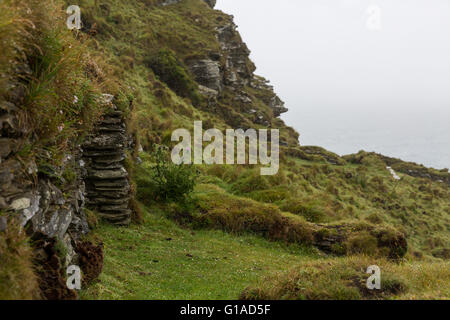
<point x="46" y="202"/>
<point x="43" y="173"/>
<point x="231" y="70"/>
<point x="226" y="76"/>
<point x="66" y="147"/>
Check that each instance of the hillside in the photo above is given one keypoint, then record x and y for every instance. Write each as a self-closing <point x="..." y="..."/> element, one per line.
<point x="86" y="120"/>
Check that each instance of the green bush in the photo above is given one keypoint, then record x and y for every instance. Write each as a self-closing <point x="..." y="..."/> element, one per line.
<point x="171" y="71"/>
<point x="166" y="180"/>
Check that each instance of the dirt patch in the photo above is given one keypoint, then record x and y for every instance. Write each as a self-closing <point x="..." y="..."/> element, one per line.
<point x="90" y="260"/>
<point x="50" y="271"/>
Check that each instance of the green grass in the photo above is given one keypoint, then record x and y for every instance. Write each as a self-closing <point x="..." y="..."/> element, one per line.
<point x="345" y="279"/>
<point x="142" y="263"/>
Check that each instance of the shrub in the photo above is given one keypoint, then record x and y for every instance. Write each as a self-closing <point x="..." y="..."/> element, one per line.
<point x="166" y="180"/>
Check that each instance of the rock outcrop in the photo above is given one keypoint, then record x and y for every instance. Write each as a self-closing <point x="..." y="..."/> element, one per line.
<point x="41" y="196"/>
<point x="28" y="191"/>
<point x="108" y="188"/>
<point x="226" y="79"/>
<point x="207" y="73"/>
<point x="232" y="70"/>
<point x="348" y="238"/>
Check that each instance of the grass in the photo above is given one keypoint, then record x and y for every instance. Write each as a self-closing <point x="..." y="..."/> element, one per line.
<point x="18" y="280"/>
<point x="160" y="260"/>
<point x="345" y="279"/>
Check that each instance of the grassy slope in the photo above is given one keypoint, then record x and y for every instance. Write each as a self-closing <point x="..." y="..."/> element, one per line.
<point x="360" y="189"/>
<point x="160" y="260"/>
<point x="141" y="263"/>
<point x="129" y="33"/>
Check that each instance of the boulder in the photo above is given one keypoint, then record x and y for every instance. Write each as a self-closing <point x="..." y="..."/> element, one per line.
<point x="207" y="73"/>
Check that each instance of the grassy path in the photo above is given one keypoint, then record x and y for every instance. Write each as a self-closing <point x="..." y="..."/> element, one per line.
<point x="159" y="260"/>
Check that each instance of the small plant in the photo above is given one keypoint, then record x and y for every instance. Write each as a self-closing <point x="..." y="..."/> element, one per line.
<point x="61" y="250"/>
<point x="172" y="182"/>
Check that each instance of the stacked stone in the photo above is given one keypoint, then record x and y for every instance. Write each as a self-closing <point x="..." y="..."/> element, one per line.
<point x="107" y="185"/>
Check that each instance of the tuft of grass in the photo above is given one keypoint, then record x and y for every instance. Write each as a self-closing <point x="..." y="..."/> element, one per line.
<point x="345" y="279"/>
<point x="18" y="280"/>
<point x="308" y="209"/>
<point x="240" y="215"/>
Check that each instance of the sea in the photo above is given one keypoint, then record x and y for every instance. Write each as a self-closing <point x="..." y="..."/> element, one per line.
<point x="417" y="136"/>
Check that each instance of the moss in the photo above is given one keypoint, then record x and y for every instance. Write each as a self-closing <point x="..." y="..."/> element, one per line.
<point x="92" y="218"/>
<point x="61" y="250"/>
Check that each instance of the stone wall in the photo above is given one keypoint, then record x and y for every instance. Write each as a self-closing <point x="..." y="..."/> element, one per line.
<point x="50" y="208"/>
<point x="108" y="188"/>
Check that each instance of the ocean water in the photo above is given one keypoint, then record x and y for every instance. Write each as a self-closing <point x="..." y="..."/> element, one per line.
<point x="418" y="136"/>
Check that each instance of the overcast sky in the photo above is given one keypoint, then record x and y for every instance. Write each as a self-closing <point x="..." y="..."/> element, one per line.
<point x="371" y="56"/>
<point x="322" y="52"/>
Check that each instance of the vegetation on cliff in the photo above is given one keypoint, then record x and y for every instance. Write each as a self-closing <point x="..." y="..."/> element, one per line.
<point x="216" y="231"/>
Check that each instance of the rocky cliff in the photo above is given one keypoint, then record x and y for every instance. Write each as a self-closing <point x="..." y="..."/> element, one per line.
<point x="76" y="107"/>
<point x="49" y="206"/>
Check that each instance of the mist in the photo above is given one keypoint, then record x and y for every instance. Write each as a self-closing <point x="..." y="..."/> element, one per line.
<point x="354" y="69"/>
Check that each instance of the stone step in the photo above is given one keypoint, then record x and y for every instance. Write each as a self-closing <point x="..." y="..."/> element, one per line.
<point x="108" y="201"/>
<point x="110" y="129"/>
<point x="105" y="154"/>
<point x="115" y="114"/>
<point x="109" y="159"/>
<point x="123" y="218"/>
<point x="111" y="121"/>
<point x="106" y="141"/>
<point x="107" y="174"/>
<point x="111" y="166"/>
<point x="114" y="208"/>
<point x="118" y="183"/>
<point x="109" y="193"/>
